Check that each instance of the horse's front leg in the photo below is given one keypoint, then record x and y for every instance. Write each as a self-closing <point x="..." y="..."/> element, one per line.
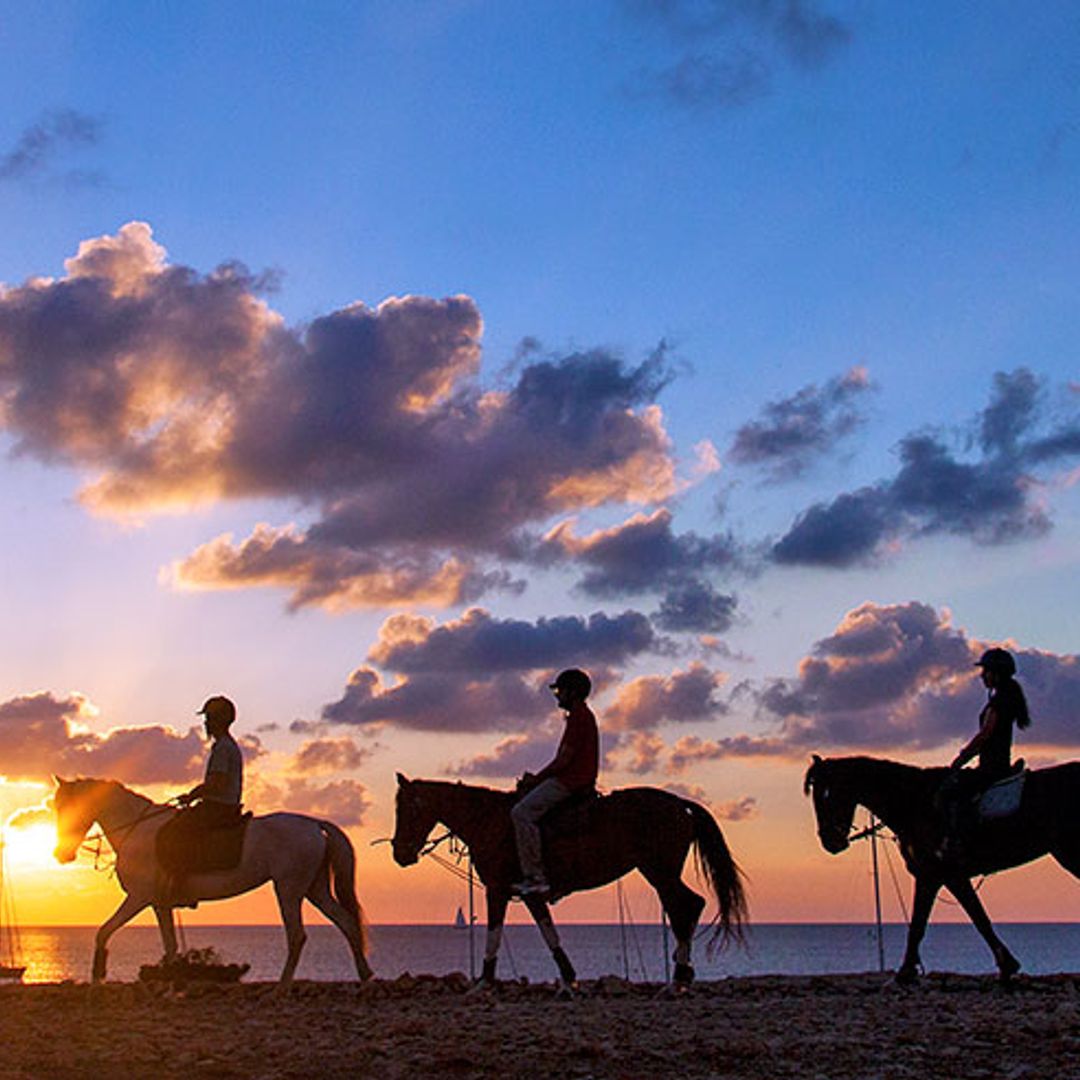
<point x="167" y="928"/>
<point x="541" y="913"/>
<point x="926" y="890"/>
<point x="496" y="917"/>
<point x="128" y="909"/>
<point x="1007" y="964"/>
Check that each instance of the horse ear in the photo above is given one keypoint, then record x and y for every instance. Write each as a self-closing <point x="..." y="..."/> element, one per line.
<point x="58" y="780"/>
<point x="817" y="759"/>
<point x="402" y="780"/>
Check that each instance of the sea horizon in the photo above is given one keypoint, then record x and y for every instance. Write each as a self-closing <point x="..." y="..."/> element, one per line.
<point x="639" y="952"/>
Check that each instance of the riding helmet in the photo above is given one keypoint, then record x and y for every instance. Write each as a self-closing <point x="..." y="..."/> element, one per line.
<point x="999" y="660"/>
<point x="574" y="680"/>
<point x="219" y="707"/>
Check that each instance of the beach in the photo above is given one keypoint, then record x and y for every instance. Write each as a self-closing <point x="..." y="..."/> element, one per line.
<point x="844" y="1027"/>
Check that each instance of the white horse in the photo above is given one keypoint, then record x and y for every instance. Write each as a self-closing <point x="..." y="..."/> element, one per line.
<point x="299" y="854"/>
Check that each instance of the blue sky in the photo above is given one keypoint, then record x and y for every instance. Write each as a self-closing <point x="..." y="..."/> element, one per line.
<point x="743" y="265"/>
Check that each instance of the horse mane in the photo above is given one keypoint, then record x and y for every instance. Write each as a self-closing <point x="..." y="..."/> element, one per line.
<point x="881" y="769"/>
<point x="99" y="781"/>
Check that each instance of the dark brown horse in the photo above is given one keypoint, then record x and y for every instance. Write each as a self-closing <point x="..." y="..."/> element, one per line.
<point x="905" y="799"/>
<point x="587" y="846"/>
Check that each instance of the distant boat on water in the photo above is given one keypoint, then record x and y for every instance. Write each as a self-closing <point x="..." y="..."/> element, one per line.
<point x="10" y="948"/>
<point x="460" y="922"/>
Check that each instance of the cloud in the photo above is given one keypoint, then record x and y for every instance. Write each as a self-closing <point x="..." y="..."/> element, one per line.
<point x="334" y="577"/>
<point x="511" y="757"/>
<point x="725" y="51"/>
<point x="796" y="431"/>
<point x="691" y="750"/>
<point x="696" y="607"/>
<point x="683" y="697"/>
<point x="480" y="673"/>
<point x="344" y="802"/>
<point x="169" y="388"/>
<point x="643" y="554"/>
<point x="479" y="643"/>
<point x="329" y="755"/>
<point x="994" y="499"/>
<point x="901" y="676"/>
<point x="41" y="734"/>
<point x="638" y="752"/>
<point x="41" y="144"/>
<point x="439" y="702"/>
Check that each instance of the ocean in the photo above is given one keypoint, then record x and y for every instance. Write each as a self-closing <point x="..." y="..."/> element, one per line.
<point x="55" y="954"/>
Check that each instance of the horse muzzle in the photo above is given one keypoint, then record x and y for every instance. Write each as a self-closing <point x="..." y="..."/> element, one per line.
<point x="65" y="854"/>
<point x="404" y="856"/>
<point x="833" y="841"/>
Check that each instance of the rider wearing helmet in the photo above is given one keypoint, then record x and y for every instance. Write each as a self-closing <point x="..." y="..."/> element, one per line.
<point x="573" y="769"/>
<point x="210" y="805"/>
<point x="992" y="744"/>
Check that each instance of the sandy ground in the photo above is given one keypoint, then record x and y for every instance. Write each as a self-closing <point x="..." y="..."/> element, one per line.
<point x="854" y="1027"/>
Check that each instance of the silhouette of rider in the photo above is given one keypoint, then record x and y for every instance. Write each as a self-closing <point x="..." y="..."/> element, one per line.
<point x="991" y="744"/>
<point x="210" y="805"/>
<point x="573" y="770"/>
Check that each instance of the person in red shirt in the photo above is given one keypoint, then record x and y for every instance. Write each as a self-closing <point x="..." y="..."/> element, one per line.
<point x="573" y="769"/>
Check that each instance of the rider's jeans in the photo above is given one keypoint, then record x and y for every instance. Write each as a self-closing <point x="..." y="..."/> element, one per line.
<point x="526" y="816"/>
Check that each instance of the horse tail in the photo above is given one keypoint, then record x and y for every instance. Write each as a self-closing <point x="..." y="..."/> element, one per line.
<point x="722" y="874"/>
<point x="341" y="860"/>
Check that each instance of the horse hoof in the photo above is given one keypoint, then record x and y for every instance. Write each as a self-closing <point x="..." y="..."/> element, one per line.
<point x="481" y="986"/>
<point x="1008" y="966"/>
<point x="907" y="976"/>
<point x="566" y="991"/>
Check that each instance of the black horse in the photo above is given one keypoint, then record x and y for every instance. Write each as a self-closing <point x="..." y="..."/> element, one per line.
<point x="905" y="799"/>
<point x="589" y="845"/>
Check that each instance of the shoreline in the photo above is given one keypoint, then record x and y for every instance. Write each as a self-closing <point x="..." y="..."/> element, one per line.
<point x="839" y="1027"/>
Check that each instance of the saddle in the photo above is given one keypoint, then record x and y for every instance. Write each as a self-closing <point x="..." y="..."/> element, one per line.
<point x="1002" y="799"/>
<point x="186" y="847"/>
<point x="572" y="815"/>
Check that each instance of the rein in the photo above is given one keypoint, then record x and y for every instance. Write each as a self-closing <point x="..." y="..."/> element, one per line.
<point x="94" y="842"/>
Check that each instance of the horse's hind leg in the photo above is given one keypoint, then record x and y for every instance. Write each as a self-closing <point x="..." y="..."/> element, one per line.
<point x="961" y="888"/>
<point x="541" y="913"/>
<point x="289" y="899"/>
<point x="684" y="908"/>
<point x="319" y="894"/>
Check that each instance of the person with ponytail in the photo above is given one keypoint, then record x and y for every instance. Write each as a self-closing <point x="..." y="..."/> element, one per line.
<point x="1006" y="706"/>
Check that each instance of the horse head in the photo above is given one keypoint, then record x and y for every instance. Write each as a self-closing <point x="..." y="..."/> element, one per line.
<point x="413" y="821"/>
<point x="834" y="804"/>
<point x="76" y="807"/>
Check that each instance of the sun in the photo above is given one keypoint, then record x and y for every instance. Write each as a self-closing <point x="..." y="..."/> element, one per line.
<point x="29" y="847"/>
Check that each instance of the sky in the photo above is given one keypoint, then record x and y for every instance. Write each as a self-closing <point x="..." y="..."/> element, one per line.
<point x="371" y="362"/>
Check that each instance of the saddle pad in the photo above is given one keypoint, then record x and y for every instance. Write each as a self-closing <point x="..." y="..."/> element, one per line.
<point x="1003" y="798"/>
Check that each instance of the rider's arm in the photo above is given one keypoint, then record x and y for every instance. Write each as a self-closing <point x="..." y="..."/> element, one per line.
<point x="213" y="785"/>
<point x="989" y="724"/>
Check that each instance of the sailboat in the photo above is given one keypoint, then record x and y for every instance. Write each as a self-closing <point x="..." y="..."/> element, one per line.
<point x="10" y="947"/>
<point x="459" y="920"/>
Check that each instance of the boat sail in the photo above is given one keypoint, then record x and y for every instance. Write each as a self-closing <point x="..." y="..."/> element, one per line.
<point x="10" y="946"/>
<point x="459" y="920"/>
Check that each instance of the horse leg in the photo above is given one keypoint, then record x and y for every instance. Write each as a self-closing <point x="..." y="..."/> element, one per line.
<point x="164" y="917"/>
<point x="319" y="894"/>
<point x="128" y="909"/>
<point x="541" y="914"/>
<point x="926" y="890"/>
<point x="289" y="899"/>
<point x="496" y="916"/>
<point x="961" y="888"/>
<point x="684" y="908"/>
